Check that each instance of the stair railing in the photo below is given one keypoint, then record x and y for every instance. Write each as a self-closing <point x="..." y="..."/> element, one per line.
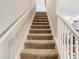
<point x="67" y="39"/>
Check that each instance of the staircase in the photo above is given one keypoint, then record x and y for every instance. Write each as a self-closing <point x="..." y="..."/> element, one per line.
<point x="40" y="43"/>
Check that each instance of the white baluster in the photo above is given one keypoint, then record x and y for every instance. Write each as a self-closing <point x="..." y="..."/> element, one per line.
<point x="65" y="43"/>
<point x="76" y="48"/>
<point x="71" y="45"/>
<point x="69" y="34"/>
<point x="68" y="44"/>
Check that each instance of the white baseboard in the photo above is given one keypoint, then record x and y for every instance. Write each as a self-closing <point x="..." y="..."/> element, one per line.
<point x="54" y="37"/>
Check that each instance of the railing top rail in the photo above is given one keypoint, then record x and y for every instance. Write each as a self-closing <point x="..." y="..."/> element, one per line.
<point x="26" y="11"/>
<point x="68" y="25"/>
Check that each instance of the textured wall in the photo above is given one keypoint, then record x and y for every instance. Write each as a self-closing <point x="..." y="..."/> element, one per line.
<point x="12" y="42"/>
<point x="51" y="10"/>
<point x="69" y="7"/>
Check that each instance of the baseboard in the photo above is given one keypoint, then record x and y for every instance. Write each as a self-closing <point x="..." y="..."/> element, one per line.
<point x="54" y="37"/>
<point x="60" y="57"/>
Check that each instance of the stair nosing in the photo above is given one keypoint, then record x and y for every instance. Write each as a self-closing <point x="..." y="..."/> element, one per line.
<point x="40" y="34"/>
<point x="41" y="29"/>
<point x="40" y="25"/>
<point x="40" y="41"/>
<point x="40" y="52"/>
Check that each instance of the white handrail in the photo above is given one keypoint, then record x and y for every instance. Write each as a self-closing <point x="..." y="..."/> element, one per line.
<point x="67" y="39"/>
<point x="68" y="25"/>
<point x="7" y="31"/>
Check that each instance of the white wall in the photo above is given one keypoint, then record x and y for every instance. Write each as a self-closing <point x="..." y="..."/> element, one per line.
<point x="76" y="25"/>
<point x="51" y="11"/>
<point x="69" y="7"/>
<point x="10" y="10"/>
<point x="12" y="42"/>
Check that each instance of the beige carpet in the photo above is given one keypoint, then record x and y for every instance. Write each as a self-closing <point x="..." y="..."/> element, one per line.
<point x="40" y="43"/>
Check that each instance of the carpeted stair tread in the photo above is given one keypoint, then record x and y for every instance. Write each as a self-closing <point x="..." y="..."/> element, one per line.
<point x="40" y="37"/>
<point x="40" y="26"/>
<point x="40" y="41"/>
<point x="40" y="31"/>
<point x="40" y="20"/>
<point x="40" y="23"/>
<point x="40" y="44"/>
<point x="40" y="52"/>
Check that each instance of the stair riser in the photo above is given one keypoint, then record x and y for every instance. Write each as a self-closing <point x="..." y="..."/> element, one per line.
<point x="39" y="13"/>
<point x="40" y="20"/>
<point x="29" y="56"/>
<point x="40" y="38"/>
<point x="40" y="27"/>
<point x="40" y="23"/>
<point x="40" y="16"/>
<point x="39" y="46"/>
<point x="43" y="14"/>
<point x="40" y="31"/>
